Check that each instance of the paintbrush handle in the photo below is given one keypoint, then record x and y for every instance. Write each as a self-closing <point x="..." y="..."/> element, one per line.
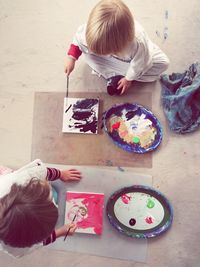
<point x="69" y="228"/>
<point x="67" y="87"/>
<point x="67" y="233"/>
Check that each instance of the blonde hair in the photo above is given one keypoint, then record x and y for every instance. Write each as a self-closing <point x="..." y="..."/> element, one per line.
<point x="27" y="214"/>
<point x="110" y="27"/>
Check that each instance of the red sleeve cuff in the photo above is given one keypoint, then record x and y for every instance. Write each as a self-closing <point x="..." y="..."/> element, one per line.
<point x="74" y="51"/>
<point x="50" y="239"/>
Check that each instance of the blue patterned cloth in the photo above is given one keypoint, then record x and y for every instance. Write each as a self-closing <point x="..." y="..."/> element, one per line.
<point x="181" y="99"/>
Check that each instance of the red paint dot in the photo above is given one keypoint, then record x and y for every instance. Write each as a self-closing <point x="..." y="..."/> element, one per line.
<point x="116" y="125"/>
<point x="149" y="220"/>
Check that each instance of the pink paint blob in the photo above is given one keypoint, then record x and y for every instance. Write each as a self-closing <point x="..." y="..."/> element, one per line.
<point x="126" y="199"/>
<point x="149" y="220"/>
<point x="94" y="204"/>
<point x="123" y="134"/>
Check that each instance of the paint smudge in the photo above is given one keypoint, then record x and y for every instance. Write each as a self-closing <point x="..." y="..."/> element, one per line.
<point x="132" y="222"/>
<point x="166" y="14"/>
<point x="165" y="30"/>
<point x="149" y="220"/>
<point x="125" y="198"/>
<point x="116" y="125"/>
<point x="165" y="33"/>
<point x="109" y="163"/>
<point x="120" y="169"/>
<point x="150" y="203"/>
<point x="158" y="34"/>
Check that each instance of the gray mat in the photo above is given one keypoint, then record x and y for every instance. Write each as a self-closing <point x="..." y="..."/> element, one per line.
<point x="111" y="243"/>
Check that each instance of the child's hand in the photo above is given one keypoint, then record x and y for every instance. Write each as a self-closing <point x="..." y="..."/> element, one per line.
<point x="70" y="64"/>
<point x="123" y="85"/>
<point x="70" y="175"/>
<point x="63" y="229"/>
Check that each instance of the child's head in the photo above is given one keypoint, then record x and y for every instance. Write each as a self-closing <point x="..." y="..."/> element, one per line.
<point x="110" y="27"/>
<point x="27" y="214"/>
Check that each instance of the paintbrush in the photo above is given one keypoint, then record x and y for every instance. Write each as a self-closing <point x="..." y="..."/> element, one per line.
<point x="69" y="227"/>
<point x="67" y="88"/>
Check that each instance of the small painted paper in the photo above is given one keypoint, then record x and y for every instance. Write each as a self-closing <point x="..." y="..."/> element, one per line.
<point x="88" y="208"/>
<point x="80" y="115"/>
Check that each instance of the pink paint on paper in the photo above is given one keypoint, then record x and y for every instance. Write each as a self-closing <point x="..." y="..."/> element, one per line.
<point x="88" y="208"/>
<point x="149" y="220"/>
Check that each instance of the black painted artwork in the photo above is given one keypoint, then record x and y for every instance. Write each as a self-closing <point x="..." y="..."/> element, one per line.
<point x="83" y="115"/>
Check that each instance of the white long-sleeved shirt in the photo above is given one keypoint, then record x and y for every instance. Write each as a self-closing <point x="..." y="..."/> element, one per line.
<point x="138" y="54"/>
<point x="21" y="177"/>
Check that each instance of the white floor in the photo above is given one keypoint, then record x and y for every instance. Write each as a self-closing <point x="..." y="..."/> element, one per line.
<point x="34" y="36"/>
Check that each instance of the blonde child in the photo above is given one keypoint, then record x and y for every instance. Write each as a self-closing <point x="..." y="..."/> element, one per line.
<point x="27" y="213"/>
<point x="116" y="47"/>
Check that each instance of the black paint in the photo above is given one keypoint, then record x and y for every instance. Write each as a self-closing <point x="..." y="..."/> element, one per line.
<point x="68" y="108"/>
<point x="132" y="222"/>
<point x="130" y="114"/>
<point x="85" y="104"/>
<point x="84" y="114"/>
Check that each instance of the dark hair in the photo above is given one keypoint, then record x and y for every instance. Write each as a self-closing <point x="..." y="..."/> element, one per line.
<point x="27" y="214"/>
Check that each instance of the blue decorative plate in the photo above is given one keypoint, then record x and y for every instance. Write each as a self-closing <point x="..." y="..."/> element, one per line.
<point x="133" y="127"/>
<point x="139" y="211"/>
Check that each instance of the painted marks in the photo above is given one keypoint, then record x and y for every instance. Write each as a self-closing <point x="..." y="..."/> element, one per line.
<point x="109" y="162"/>
<point x="135" y="121"/>
<point x="138" y="211"/>
<point x="149" y="220"/>
<point x="88" y="208"/>
<point x="136" y="219"/>
<point x="136" y="140"/>
<point x="116" y="125"/>
<point x="120" y="169"/>
<point x="133" y="128"/>
<point x="166" y="14"/>
<point x="132" y="222"/>
<point x="165" y="31"/>
<point x="126" y="199"/>
<point x="150" y="203"/>
<point x="80" y="115"/>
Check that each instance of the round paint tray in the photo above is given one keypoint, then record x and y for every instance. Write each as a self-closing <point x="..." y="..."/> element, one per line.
<point x="133" y="127"/>
<point x="139" y="211"/>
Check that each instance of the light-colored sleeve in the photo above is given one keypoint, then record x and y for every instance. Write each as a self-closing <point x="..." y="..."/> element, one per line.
<point x="79" y="37"/>
<point x="78" y="44"/>
<point x="142" y="57"/>
<point x="23" y="175"/>
<point x="139" y="64"/>
<point x="18" y="252"/>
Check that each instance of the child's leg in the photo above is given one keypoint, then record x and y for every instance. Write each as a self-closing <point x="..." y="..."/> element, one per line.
<point x="106" y="66"/>
<point x="160" y="63"/>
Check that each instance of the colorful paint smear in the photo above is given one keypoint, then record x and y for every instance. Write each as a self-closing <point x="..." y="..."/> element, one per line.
<point x="88" y="208"/>
<point x="133" y="128"/>
<point x="80" y="115"/>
